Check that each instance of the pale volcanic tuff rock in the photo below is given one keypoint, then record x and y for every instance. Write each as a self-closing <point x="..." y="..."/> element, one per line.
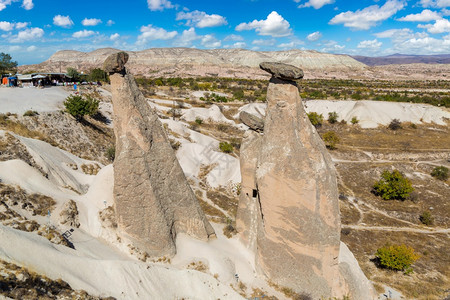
<point x="288" y="210"/>
<point x="252" y="121"/>
<point x="187" y="62"/>
<point x="153" y="200"/>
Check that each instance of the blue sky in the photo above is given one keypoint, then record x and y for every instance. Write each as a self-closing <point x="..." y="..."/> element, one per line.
<point x="32" y="30"/>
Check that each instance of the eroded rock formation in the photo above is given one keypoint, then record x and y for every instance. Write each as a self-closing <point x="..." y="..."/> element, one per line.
<point x="153" y="200"/>
<point x="288" y="211"/>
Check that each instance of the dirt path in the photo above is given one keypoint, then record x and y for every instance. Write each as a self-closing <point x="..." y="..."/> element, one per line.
<point x="405" y="229"/>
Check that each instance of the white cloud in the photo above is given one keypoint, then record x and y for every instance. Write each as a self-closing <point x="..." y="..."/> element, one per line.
<point x="4" y="3"/>
<point x="201" y="20"/>
<point x="110" y="23"/>
<point x="369" y="16"/>
<point x="315" y="3"/>
<point x="150" y="33"/>
<point x="187" y="37"/>
<point x="209" y="41"/>
<point x="31" y="48"/>
<point x="314" y="36"/>
<point x="425" y="16"/>
<point x="426" y="45"/>
<point x="6" y="26"/>
<point x="83" y="34"/>
<point x="233" y="37"/>
<point x="154" y="5"/>
<point x="28" y="35"/>
<point x="332" y="46"/>
<point x="114" y="36"/>
<point x="394" y="32"/>
<point x="62" y="21"/>
<point x="262" y="42"/>
<point x="372" y="45"/>
<point x="91" y="22"/>
<point x="237" y="45"/>
<point x="275" y="26"/>
<point x="21" y="25"/>
<point x="440" y="26"/>
<point x="27" y="4"/>
<point x="435" y="3"/>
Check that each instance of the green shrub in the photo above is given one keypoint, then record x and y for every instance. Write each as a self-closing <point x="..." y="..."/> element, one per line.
<point x="440" y="173"/>
<point x="354" y="120"/>
<point x="110" y="153"/>
<point x="331" y="139"/>
<point x="393" y="186"/>
<point x="332" y="117"/>
<point x="426" y="218"/>
<point x="226" y="147"/>
<point x="30" y="113"/>
<point x="199" y="121"/>
<point x="396" y="257"/>
<point x="316" y="119"/>
<point x="80" y="106"/>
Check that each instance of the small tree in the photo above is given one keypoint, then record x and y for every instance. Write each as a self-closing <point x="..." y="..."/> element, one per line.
<point x="7" y="64"/>
<point x="316" y="119"/>
<point x="332" y="117"/>
<point x="395" y="124"/>
<point x="440" y="173"/>
<point x="98" y="75"/>
<point x="396" y="257"/>
<point x="80" y="106"/>
<point x="331" y="139"/>
<point x="393" y="186"/>
<point x="73" y="73"/>
<point x="354" y="120"/>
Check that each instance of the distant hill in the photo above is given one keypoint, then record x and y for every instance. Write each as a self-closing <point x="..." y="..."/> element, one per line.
<point x="187" y="62"/>
<point x="402" y="59"/>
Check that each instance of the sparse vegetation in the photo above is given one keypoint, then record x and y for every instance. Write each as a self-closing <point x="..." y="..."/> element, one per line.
<point x="225" y="147"/>
<point x="395" y="124"/>
<point x="332" y="117"/>
<point x="30" y="113"/>
<point x="80" y="106"/>
<point x="110" y="153"/>
<point x="315" y="119"/>
<point x="354" y="121"/>
<point x="440" y="173"/>
<point x="396" y="257"/>
<point x="393" y="185"/>
<point x="426" y="218"/>
<point x="230" y="229"/>
<point x="199" y="121"/>
<point x="331" y="139"/>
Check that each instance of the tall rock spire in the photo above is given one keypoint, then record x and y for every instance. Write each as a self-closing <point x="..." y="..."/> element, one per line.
<point x="152" y="197"/>
<point x="288" y="212"/>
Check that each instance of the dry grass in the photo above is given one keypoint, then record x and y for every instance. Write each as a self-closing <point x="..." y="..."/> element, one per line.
<point x="410" y="151"/>
<point x="21" y="283"/>
<point x="9" y="124"/>
<point x="220" y="198"/>
<point x="198" y="266"/>
<point x="36" y="204"/>
<point x="90" y="169"/>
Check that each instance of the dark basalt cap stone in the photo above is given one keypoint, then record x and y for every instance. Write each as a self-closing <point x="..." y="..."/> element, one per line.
<point x="282" y="71"/>
<point x="115" y="63"/>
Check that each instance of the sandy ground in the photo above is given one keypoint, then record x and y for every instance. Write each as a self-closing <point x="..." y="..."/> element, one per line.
<point x="19" y="100"/>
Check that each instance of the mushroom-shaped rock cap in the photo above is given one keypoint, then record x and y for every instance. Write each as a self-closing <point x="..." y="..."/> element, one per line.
<point x="115" y="63"/>
<point x="282" y="71"/>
